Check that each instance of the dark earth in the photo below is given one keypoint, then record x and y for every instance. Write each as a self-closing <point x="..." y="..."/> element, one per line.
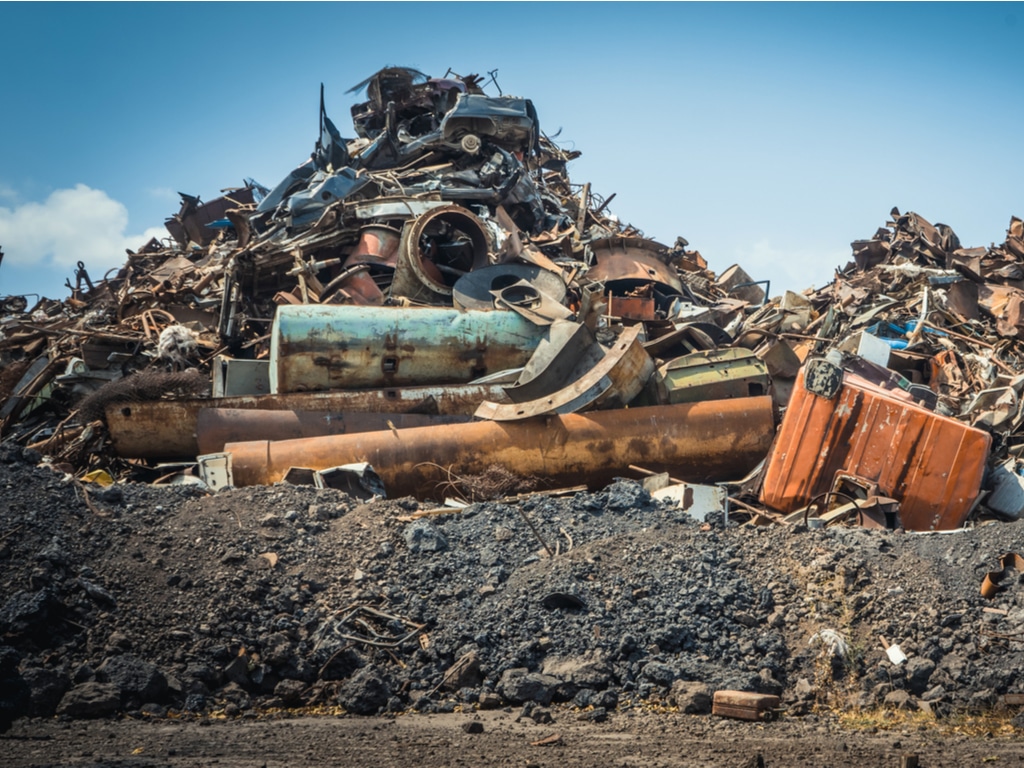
<point x="163" y="625"/>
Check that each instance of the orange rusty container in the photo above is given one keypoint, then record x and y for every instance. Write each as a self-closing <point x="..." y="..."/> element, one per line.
<point x="840" y="424"/>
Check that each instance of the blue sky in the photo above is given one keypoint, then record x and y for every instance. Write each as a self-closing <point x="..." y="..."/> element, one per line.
<point x="769" y="135"/>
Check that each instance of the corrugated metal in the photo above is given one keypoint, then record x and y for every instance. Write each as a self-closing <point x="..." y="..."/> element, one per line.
<point x="931" y="464"/>
<point x="319" y="347"/>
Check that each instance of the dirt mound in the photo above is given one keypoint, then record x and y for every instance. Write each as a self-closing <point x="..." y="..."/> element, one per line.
<point x="146" y="598"/>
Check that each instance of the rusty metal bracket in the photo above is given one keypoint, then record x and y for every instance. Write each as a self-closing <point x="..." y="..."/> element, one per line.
<point x="990" y="584"/>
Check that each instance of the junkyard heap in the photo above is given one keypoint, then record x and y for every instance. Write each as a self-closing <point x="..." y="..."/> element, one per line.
<point x="434" y="309"/>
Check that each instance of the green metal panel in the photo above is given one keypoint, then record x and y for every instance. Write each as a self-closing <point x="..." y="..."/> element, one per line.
<point x="716" y="374"/>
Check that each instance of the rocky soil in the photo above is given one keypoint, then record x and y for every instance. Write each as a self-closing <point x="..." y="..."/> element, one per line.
<point x="159" y="602"/>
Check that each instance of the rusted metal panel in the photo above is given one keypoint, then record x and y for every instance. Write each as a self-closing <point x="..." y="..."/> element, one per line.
<point x="216" y="427"/>
<point x="931" y="464"/>
<point x="319" y="347"/>
<point x="166" y="429"/>
<point x="697" y="442"/>
<point x="473" y="291"/>
<point x="629" y="262"/>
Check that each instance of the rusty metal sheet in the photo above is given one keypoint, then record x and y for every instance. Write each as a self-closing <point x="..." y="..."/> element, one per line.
<point x="931" y="464"/>
<point x="317" y="347"/>
<point x="631" y="307"/>
<point x="215" y="427"/>
<point x="990" y="583"/>
<point x="567" y="347"/>
<point x="631" y="261"/>
<point x="697" y="442"/>
<point x="612" y="380"/>
<point x="166" y="429"/>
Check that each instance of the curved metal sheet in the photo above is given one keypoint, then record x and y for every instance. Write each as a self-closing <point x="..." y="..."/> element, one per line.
<point x="473" y="291"/>
<point x="613" y="381"/>
<point x="631" y="259"/>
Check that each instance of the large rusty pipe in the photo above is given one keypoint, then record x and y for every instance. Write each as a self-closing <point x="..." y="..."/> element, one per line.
<point x="218" y="426"/>
<point x="166" y="429"/>
<point x="698" y="442"/>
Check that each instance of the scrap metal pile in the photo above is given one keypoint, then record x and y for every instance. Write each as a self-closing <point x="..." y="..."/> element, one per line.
<point x="433" y="308"/>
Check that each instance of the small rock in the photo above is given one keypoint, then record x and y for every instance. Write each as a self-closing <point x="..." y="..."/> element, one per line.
<point x="474" y="726"/>
<point x="47" y="687"/>
<point x="489" y="700"/>
<point x="692" y="698"/>
<point x="935" y="693"/>
<point x="237" y="671"/>
<point x="365" y="693"/>
<point x="290" y="691"/>
<point x="899" y="700"/>
<point x="90" y="700"/>
<point x="138" y="681"/>
<point x="542" y="716"/>
<point x="422" y="536"/>
<point x="464" y="673"/>
<point x="520" y="685"/>
<point x="658" y="673"/>
<point x="596" y="715"/>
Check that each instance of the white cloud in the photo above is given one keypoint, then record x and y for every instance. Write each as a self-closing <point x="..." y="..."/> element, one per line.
<point x="71" y="225"/>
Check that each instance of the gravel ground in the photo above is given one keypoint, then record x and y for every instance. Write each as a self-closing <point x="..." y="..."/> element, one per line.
<point x="166" y="602"/>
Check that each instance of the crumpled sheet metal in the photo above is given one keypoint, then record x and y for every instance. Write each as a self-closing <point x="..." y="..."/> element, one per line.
<point x="625" y="262"/>
<point x="990" y="585"/>
<point x="698" y="442"/>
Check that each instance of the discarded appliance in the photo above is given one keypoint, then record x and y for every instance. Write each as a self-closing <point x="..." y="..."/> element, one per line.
<point x="716" y="374"/>
<point x="841" y="426"/>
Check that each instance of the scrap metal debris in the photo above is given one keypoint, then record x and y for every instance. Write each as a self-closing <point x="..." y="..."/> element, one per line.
<point x="442" y="266"/>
